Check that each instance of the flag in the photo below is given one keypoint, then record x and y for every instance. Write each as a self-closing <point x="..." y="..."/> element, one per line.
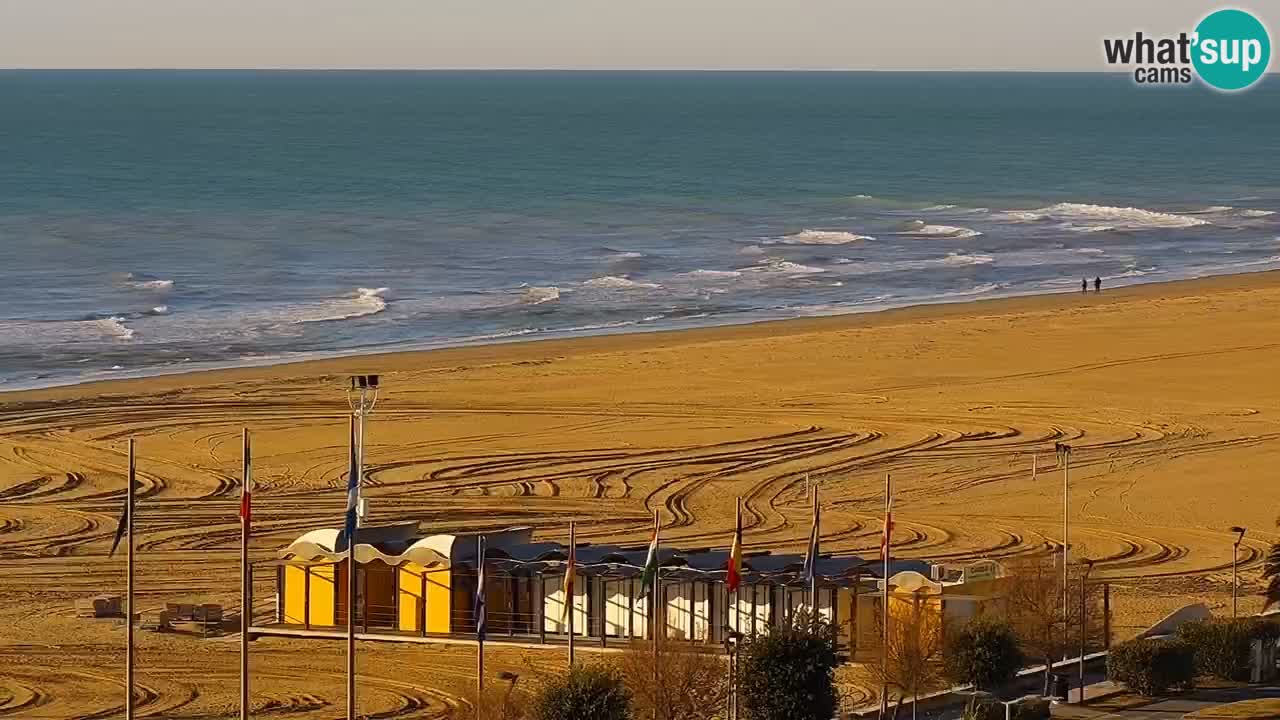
<point x="353" y="489"/>
<point x="482" y="624"/>
<point x="244" y="486"/>
<point x="124" y="523"/>
<point x="733" y="577"/>
<point x="811" y="555"/>
<point x="651" y="561"/>
<point x="887" y="537"/>
<point x="570" y="567"/>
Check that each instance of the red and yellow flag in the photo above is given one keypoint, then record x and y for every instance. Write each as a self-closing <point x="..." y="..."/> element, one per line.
<point x="734" y="576"/>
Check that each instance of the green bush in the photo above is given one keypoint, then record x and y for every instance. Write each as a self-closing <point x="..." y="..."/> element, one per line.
<point x="586" y="691"/>
<point x="1221" y="646"/>
<point x="984" y="654"/>
<point x="1152" y="667"/>
<point x="789" y="673"/>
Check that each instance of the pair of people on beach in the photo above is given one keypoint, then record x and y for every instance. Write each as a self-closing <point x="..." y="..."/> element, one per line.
<point x="1097" y="285"/>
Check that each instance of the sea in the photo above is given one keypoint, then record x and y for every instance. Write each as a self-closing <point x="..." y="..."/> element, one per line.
<point x="160" y="221"/>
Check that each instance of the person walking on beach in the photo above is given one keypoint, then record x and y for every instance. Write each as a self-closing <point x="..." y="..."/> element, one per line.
<point x="1097" y="284"/>
<point x="1084" y="285"/>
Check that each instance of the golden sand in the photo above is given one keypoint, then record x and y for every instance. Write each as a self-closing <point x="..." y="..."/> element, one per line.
<point x="1167" y="392"/>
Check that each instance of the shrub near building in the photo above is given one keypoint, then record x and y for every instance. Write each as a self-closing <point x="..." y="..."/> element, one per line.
<point x="1152" y="667"/>
<point x="1221" y="647"/>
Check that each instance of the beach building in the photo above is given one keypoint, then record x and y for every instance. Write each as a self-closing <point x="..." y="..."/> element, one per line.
<point x="411" y="585"/>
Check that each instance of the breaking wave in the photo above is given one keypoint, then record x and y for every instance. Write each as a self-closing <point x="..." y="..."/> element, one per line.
<point x="919" y="228"/>
<point x="367" y="301"/>
<point x="962" y="259"/>
<point x="783" y="267"/>
<point x="1126" y="218"/>
<point x="614" y="282"/>
<point x="153" y="284"/>
<point x="537" y="295"/>
<point x="821" y="237"/>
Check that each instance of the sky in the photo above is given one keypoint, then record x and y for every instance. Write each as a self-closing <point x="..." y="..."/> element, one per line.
<point x="586" y="34"/>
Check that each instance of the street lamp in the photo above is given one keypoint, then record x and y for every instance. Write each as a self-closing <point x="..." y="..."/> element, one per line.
<point x="1084" y="624"/>
<point x="1235" y="558"/>
<point x="362" y="395"/>
<point x="731" y="640"/>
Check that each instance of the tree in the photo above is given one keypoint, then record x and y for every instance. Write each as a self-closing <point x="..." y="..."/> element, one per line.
<point x="913" y="651"/>
<point x="1046" y="630"/>
<point x="789" y="672"/>
<point x="586" y="691"/>
<point x="690" y="684"/>
<point x="984" y="653"/>
<point x="1271" y="573"/>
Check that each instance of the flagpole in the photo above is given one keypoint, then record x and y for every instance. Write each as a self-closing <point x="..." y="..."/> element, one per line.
<point x="888" y="546"/>
<point x="813" y="576"/>
<point x="351" y="581"/>
<point x="246" y="602"/>
<point x="481" y="621"/>
<point x="570" y="585"/>
<point x="657" y="611"/>
<point x="128" y="668"/>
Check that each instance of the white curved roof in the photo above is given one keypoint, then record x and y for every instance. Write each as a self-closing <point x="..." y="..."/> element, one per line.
<point x="316" y="545"/>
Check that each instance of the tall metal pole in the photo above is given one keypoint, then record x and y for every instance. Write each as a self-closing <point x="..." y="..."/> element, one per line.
<point x="656" y="592"/>
<point x="351" y="576"/>
<point x="129" y="609"/>
<point x="884" y="641"/>
<point x="480" y="630"/>
<point x="246" y="591"/>
<point x="1066" y="543"/>
<point x="1084" y="625"/>
<point x="572" y="586"/>
<point x="1235" y="557"/>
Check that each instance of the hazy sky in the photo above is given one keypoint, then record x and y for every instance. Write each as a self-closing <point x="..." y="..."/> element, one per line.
<point x="783" y="34"/>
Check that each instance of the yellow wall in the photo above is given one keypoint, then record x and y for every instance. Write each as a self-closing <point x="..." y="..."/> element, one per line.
<point x="322" y="607"/>
<point x="323" y="595"/>
<point x="409" y="582"/>
<point x="439" y="601"/>
<point x="294" y="591"/>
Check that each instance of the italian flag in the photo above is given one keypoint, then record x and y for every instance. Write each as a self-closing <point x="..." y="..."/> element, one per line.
<point x="651" y="562"/>
<point x="245" y="503"/>
<point x="733" y="577"/>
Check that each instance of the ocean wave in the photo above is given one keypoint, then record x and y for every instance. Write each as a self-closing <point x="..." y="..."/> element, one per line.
<point x="115" y="326"/>
<point x="919" y="228"/>
<point x="783" y="267"/>
<point x="1019" y="216"/>
<point x="537" y="295"/>
<point x="820" y="237"/>
<point x="615" y="282"/>
<point x="982" y="289"/>
<point x="751" y="250"/>
<point x="1125" y="218"/>
<point x="1089" y="251"/>
<point x="862" y="197"/>
<point x="153" y="284"/>
<point x="963" y="259"/>
<point x="52" y="333"/>
<point x="159" y="310"/>
<point x="713" y="274"/>
<point x="1230" y="210"/>
<point x="1072" y="227"/>
<point x="367" y="301"/>
<point x="1258" y="213"/>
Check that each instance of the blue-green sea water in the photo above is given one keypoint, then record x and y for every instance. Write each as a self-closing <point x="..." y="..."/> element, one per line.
<point x="159" y="221"/>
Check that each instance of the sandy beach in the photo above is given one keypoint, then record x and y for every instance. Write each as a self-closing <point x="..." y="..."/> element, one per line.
<point x="1166" y="391"/>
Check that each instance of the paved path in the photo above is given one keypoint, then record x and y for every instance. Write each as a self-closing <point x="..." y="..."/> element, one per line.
<point x="1172" y="708"/>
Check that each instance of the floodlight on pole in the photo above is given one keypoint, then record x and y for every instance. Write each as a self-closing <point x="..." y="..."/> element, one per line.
<point x="1235" y="559"/>
<point x="362" y="396"/>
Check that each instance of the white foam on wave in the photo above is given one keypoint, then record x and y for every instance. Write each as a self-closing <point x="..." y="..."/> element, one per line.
<point x="919" y="228"/>
<point x="963" y="259"/>
<point x="982" y="289"/>
<point x="713" y="274"/>
<point x="821" y="237"/>
<point x="160" y="310"/>
<point x="1089" y="251"/>
<point x="1126" y="218"/>
<point x="1019" y="216"/>
<point x="626" y="255"/>
<point x="782" y="267"/>
<point x="1258" y="213"/>
<point x="367" y="301"/>
<point x="616" y="282"/>
<point x="137" y="283"/>
<point x="862" y="197"/>
<point x="537" y="295"/>
<point x="114" y="326"/>
<point x="1072" y="227"/>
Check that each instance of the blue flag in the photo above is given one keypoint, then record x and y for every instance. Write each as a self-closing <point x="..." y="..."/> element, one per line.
<point x="353" y="490"/>
<point x="482" y="625"/>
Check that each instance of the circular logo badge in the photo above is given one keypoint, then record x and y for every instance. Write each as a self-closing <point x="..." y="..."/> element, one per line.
<point x="1232" y="50"/>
